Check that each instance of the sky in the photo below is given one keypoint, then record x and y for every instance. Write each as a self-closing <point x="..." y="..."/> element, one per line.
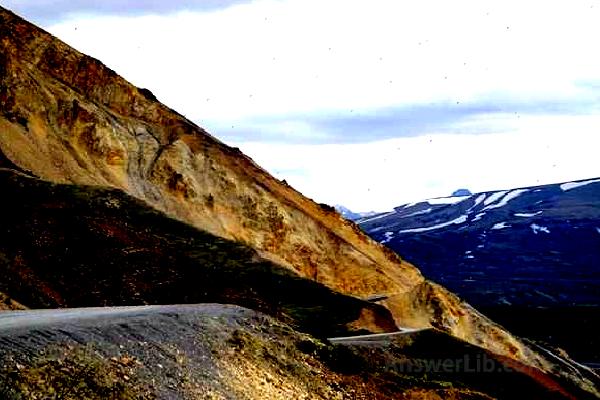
<point x="369" y="104"/>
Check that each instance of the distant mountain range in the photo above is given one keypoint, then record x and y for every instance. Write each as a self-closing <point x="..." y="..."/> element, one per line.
<point x="351" y="215"/>
<point x="534" y="246"/>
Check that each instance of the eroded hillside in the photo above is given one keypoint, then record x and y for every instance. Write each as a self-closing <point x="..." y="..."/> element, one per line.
<point x="68" y="118"/>
<point x="82" y="246"/>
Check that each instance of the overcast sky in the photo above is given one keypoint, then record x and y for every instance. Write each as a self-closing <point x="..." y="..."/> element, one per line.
<point x="369" y="104"/>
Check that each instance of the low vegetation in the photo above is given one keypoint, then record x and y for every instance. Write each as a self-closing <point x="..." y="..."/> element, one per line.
<point x="73" y="373"/>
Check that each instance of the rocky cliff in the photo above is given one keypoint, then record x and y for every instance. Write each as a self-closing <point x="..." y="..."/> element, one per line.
<point x="67" y="118"/>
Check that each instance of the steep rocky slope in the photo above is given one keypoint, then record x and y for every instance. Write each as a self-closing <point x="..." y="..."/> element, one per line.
<point x="66" y="118"/>
<point x="80" y="246"/>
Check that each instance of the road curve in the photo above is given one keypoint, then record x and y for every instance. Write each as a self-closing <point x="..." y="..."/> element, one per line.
<point x="376" y="338"/>
<point x="32" y="319"/>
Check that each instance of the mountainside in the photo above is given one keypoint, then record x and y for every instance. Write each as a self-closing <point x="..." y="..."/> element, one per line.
<point x="536" y="246"/>
<point x="527" y="257"/>
<point x="67" y="118"/>
<point x="93" y="171"/>
<point x="83" y="246"/>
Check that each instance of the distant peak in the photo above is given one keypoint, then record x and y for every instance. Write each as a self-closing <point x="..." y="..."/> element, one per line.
<point x="461" y="192"/>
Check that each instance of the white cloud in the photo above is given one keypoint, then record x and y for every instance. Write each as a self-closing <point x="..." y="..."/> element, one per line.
<point x="381" y="175"/>
<point x="301" y="57"/>
<point x="279" y="57"/>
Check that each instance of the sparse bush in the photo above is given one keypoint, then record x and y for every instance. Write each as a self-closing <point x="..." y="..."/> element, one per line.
<point x="327" y="207"/>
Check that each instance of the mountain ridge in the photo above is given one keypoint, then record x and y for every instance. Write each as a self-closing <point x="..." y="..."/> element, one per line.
<point x="526" y="257"/>
<point x="488" y="231"/>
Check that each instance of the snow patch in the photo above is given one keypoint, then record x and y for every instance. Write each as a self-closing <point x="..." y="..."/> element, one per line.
<point x="573" y="185"/>
<point x="503" y="300"/>
<point x="500" y="225"/>
<point x="460" y="220"/>
<point x="478" y="201"/>
<point x="410" y="205"/>
<point x="546" y="295"/>
<point x="494" y="197"/>
<point x="368" y="214"/>
<point x="388" y="236"/>
<point x="537" y="228"/>
<point x="527" y="215"/>
<point x="478" y="217"/>
<point x="447" y="200"/>
<point x="362" y="221"/>
<point x="509" y="196"/>
<point x="418" y="213"/>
